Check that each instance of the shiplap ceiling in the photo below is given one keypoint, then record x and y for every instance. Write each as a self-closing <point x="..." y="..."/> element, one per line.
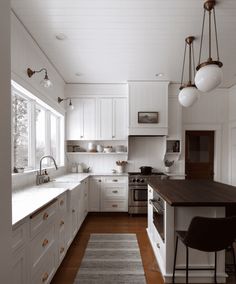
<point x="112" y="41"/>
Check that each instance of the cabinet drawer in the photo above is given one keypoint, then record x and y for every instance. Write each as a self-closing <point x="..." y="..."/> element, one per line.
<point x="19" y="236"/>
<point x="114" y="205"/>
<point x="42" y="218"/>
<point x="62" y="203"/>
<point x="115" y="179"/>
<point x="46" y="271"/>
<point x="40" y="246"/>
<point x="114" y="192"/>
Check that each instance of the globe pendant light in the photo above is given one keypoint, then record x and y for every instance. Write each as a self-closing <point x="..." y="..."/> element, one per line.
<point x="209" y="73"/>
<point x="188" y="92"/>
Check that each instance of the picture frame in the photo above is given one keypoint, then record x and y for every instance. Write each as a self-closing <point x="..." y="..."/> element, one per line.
<point x="147" y="117"/>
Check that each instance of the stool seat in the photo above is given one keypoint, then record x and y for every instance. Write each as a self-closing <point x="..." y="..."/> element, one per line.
<point x="208" y="235"/>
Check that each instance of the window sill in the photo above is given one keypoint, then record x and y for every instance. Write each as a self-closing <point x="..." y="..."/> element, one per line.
<point x="35" y="171"/>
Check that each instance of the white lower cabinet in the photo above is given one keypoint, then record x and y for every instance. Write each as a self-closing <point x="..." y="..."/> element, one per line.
<point x="19" y="254"/>
<point x="94" y="194"/>
<point x="114" y="194"/>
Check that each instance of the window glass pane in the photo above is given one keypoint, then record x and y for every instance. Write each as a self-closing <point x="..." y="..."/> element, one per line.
<point x="20" y="131"/>
<point x="40" y="135"/>
<point x="53" y="141"/>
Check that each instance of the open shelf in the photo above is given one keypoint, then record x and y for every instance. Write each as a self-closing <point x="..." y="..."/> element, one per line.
<point x="97" y="153"/>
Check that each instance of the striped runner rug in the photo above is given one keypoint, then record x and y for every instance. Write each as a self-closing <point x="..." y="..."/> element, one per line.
<point x="111" y="259"/>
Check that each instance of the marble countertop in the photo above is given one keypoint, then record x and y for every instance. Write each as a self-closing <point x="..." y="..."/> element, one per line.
<point x="28" y="200"/>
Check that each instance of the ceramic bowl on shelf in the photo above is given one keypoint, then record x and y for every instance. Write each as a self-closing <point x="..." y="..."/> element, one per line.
<point x="107" y="149"/>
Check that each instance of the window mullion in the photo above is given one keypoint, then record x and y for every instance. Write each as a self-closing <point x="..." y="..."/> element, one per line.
<point x="32" y="134"/>
<point x="48" y="134"/>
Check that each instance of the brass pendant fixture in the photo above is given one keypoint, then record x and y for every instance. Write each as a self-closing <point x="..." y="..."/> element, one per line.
<point x="209" y="74"/>
<point x="188" y="92"/>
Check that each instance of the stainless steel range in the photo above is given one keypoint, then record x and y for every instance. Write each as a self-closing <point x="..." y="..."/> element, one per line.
<point x="138" y="185"/>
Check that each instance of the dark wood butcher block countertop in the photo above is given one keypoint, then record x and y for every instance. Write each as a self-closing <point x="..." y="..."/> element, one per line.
<point x="194" y="192"/>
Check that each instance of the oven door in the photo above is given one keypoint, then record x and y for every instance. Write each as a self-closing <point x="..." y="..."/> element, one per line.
<point x="138" y="195"/>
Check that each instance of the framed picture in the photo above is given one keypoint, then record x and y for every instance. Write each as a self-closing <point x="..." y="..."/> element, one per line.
<point x="147" y="117"/>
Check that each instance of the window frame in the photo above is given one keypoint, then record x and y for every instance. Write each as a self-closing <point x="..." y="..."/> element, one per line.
<point x="33" y="103"/>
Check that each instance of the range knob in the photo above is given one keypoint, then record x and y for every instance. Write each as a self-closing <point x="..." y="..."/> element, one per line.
<point x="142" y="180"/>
<point x="133" y="180"/>
<point x="138" y="180"/>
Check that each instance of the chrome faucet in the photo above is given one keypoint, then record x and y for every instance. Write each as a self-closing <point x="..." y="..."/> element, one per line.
<point x="40" y="177"/>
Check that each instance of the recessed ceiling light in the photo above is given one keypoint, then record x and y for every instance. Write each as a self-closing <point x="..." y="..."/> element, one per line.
<point x="159" y="75"/>
<point x="78" y="74"/>
<point x="61" y="36"/>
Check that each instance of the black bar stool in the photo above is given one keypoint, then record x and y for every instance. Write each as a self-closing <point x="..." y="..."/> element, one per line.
<point x="206" y="234"/>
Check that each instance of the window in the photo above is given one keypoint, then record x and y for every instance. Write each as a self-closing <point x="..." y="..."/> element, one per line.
<point x="37" y="130"/>
<point x="20" y="130"/>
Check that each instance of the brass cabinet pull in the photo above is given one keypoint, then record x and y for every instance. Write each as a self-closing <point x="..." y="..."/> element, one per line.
<point x="99" y="180"/>
<point x="73" y="210"/>
<point x="115" y="180"/>
<point x="45" y="243"/>
<point x="115" y="191"/>
<point x="45" y="277"/>
<point x="45" y="216"/>
<point x="114" y="205"/>
<point x="62" y="223"/>
<point x="158" y="245"/>
<point x="62" y="249"/>
<point x="43" y="208"/>
<point x="61" y="202"/>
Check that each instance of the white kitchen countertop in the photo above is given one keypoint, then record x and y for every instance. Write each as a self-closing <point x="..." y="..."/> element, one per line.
<point x="28" y="200"/>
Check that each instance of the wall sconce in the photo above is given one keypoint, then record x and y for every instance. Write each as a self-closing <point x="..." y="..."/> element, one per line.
<point x="59" y="100"/>
<point x="46" y="83"/>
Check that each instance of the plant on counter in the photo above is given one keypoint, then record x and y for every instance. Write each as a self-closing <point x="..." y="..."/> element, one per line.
<point x="168" y="163"/>
<point x="121" y="163"/>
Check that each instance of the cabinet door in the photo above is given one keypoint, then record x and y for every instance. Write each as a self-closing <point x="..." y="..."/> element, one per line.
<point x="94" y="194"/>
<point x="74" y="121"/>
<point x="81" y="121"/>
<point x="105" y="119"/>
<point x="89" y="119"/>
<point x="120" y="119"/>
<point x="19" y="270"/>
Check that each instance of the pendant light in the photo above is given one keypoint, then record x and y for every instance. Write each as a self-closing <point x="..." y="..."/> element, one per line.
<point x="188" y="92"/>
<point x="209" y="73"/>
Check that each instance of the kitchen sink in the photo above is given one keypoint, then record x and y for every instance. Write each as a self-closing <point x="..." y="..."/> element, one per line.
<point x="55" y="184"/>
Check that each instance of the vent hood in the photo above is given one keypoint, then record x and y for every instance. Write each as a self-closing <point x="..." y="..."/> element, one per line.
<point x="148" y="108"/>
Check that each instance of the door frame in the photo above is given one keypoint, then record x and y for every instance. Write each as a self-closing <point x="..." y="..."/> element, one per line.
<point x="217" y="144"/>
<point x="232" y="125"/>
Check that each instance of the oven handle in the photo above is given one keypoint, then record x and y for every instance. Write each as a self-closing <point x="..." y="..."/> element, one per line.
<point x="152" y="201"/>
<point x="138" y="187"/>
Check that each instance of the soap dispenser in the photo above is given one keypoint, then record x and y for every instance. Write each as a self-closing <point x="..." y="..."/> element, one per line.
<point x="80" y="168"/>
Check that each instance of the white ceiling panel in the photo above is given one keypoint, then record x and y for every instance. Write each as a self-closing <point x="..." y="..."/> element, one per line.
<point x="120" y="40"/>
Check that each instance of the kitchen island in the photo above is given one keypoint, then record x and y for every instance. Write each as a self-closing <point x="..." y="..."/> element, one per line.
<point x="172" y="205"/>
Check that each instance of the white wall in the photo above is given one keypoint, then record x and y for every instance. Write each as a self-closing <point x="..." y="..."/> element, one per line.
<point x="75" y="90"/>
<point x="210" y="112"/>
<point x="26" y="53"/>
<point x="5" y="144"/>
<point x="232" y="135"/>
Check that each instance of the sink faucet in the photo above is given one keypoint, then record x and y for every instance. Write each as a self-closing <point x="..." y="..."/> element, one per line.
<point x="40" y="176"/>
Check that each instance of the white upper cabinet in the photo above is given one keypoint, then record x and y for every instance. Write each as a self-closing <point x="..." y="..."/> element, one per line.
<point x="112" y="119"/>
<point x="148" y="108"/>
<point x="81" y="121"/>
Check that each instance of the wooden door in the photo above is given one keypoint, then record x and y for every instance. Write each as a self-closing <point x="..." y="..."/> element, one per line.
<point x="199" y="155"/>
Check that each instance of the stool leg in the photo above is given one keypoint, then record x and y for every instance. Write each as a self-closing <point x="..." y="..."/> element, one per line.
<point x="215" y="267"/>
<point x="186" y="265"/>
<point x="232" y="249"/>
<point x="174" y="266"/>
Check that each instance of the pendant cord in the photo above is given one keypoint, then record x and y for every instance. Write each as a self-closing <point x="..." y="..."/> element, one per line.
<point x="217" y="48"/>
<point x="203" y="23"/>
<point x="190" y="64"/>
<point x="182" y="76"/>
<point x="210" y="35"/>
<point x="193" y="61"/>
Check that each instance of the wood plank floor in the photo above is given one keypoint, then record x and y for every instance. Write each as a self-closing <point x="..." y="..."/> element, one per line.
<point x="111" y="223"/>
